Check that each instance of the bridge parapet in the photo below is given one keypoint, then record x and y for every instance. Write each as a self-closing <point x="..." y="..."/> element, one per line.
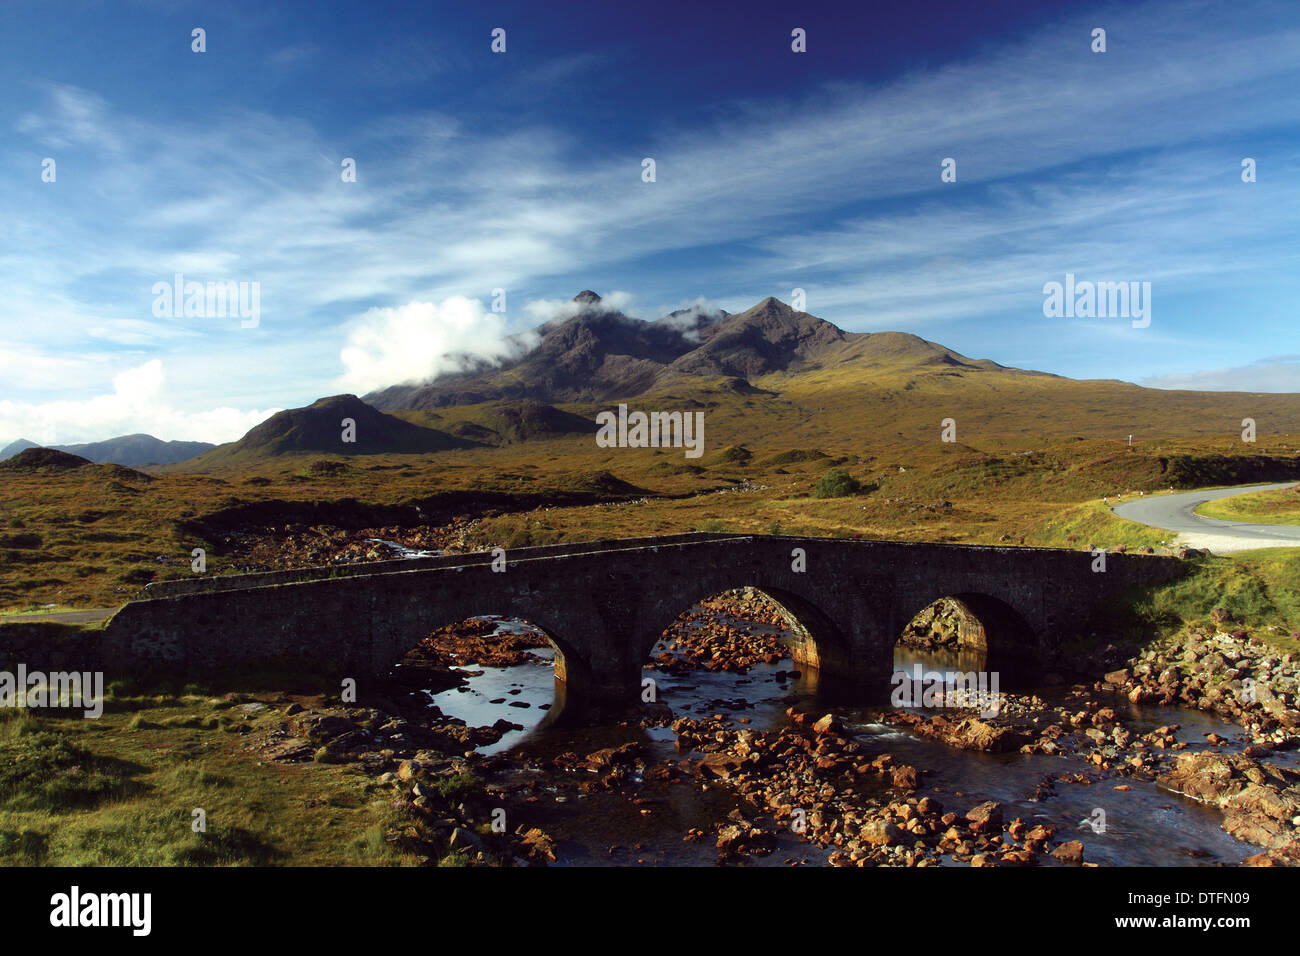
<point x="604" y="604"/>
<point x="259" y="579"/>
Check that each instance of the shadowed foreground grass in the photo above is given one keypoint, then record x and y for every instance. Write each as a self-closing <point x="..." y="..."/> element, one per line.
<point x="121" y="791"/>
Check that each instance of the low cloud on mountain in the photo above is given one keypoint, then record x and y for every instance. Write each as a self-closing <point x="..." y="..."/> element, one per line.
<point x="557" y="310"/>
<point x="419" y="341"/>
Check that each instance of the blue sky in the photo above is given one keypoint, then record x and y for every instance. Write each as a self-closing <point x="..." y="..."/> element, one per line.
<point x="522" y="171"/>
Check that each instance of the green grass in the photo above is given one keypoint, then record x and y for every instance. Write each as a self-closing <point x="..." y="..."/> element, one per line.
<point x="1261" y="589"/>
<point x="1093" y="524"/>
<point x="41" y="768"/>
<point x="460" y="787"/>
<point x="121" y="790"/>
<point x="1261" y="507"/>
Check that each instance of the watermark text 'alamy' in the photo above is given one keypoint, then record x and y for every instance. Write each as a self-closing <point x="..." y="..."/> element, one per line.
<point x="1098" y="300"/>
<point x="652" y="430"/>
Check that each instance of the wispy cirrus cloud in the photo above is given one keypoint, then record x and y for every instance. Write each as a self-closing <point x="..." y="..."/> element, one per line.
<point x="70" y="116"/>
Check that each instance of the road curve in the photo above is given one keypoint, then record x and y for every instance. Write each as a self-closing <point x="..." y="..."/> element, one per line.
<point x="1177" y="513"/>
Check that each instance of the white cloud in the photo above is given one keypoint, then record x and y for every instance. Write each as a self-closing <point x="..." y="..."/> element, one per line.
<point x="418" y="341"/>
<point x="136" y="404"/>
<point x="1278" y="374"/>
<point x="547" y="310"/>
<point x="72" y="116"/>
<point x="25" y="368"/>
<point x="687" y="318"/>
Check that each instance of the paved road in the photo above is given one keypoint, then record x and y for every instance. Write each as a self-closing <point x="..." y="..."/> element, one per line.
<point x="61" y="617"/>
<point x="1177" y="513"/>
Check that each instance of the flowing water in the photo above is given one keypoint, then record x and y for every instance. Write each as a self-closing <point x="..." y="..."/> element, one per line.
<point x="402" y="551"/>
<point x="1144" y="826"/>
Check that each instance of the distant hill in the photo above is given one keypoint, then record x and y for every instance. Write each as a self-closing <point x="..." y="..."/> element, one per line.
<point x="138" y="450"/>
<point x="124" y="450"/>
<point x="319" y="428"/>
<point x="51" y="461"/>
<point x="770" y="337"/>
<point x="504" y="423"/>
<point x="770" y="377"/>
<point x="31" y="459"/>
<point x="15" y="447"/>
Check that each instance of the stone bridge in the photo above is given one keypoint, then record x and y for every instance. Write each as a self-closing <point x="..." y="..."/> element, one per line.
<point x="605" y="604"/>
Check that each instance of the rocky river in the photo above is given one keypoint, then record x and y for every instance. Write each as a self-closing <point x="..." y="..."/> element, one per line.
<point x="744" y="751"/>
<point x="743" y="759"/>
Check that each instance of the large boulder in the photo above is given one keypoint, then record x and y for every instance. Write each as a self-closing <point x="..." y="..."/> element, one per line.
<point x="880" y="833"/>
<point x="975" y="734"/>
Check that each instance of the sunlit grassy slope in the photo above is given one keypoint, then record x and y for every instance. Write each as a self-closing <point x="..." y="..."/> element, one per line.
<point x="1263" y="507"/>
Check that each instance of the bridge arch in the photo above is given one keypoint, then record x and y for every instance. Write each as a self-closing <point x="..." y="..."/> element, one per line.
<point x="989" y="631"/>
<point x="815" y="641"/>
<point x="570" y="668"/>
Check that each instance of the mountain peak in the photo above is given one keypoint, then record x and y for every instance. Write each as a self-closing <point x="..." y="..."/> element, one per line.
<point x="17" y="445"/>
<point x="768" y="337"/>
<point x="127" y="450"/>
<point x="343" y="403"/>
<point x="586" y="297"/>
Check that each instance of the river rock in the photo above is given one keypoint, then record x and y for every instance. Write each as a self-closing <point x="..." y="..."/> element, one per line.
<point x="1205" y="776"/>
<point x="981" y="735"/>
<point x="905" y="778"/>
<point x="610" y="756"/>
<point x="1069" y="852"/>
<point x="880" y="833"/>
<point x="828" y="725"/>
<point x="539" y="847"/>
<point x="1261" y="814"/>
<point x="986" y="816"/>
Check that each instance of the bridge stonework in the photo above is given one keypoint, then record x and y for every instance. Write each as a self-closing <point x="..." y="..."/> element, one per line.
<point x="605" y="604"/>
